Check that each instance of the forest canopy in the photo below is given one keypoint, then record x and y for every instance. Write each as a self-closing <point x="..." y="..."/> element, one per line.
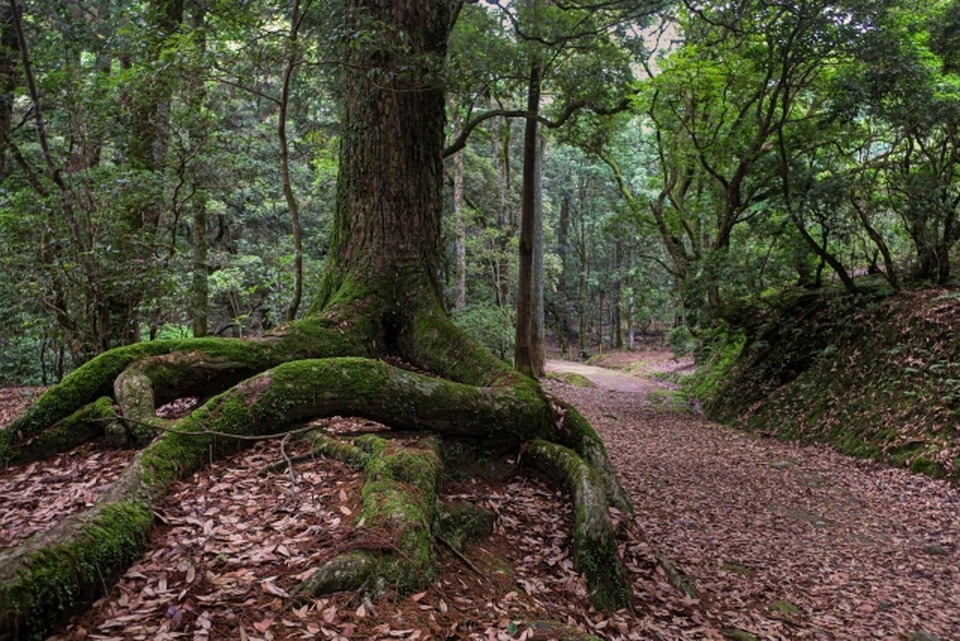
<point x="168" y="167"/>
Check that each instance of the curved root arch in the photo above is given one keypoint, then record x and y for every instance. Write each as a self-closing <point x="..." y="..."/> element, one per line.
<point x="271" y="385"/>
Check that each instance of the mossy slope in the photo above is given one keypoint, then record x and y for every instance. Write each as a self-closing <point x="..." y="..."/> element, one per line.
<point x="875" y="375"/>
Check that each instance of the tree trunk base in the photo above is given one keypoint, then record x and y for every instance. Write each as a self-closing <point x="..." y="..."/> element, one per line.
<point x="267" y="388"/>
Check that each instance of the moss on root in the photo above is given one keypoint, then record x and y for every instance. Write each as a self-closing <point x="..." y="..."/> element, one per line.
<point x="575" y="432"/>
<point x="478" y="398"/>
<point x="372" y="389"/>
<point x="595" y="549"/>
<point x="51" y="581"/>
<point x="227" y="362"/>
<point x="83" y="426"/>
<point x="399" y="503"/>
<point x="461" y="522"/>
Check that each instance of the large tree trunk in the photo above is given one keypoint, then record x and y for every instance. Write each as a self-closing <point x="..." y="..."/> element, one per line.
<point x="380" y="298"/>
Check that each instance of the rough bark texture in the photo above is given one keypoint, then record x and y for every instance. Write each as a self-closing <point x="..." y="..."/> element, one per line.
<point x="380" y="299"/>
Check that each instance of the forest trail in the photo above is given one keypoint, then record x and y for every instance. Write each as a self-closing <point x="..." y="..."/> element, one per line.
<point x="781" y="541"/>
<point x="606" y="379"/>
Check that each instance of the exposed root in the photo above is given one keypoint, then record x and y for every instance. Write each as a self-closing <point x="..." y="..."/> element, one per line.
<point x="595" y="548"/>
<point x="348" y="572"/>
<point x="399" y="496"/>
<point x="50" y="575"/>
<point x="86" y="424"/>
<point x="462" y="522"/>
<point x="191" y="367"/>
<point x="576" y="433"/>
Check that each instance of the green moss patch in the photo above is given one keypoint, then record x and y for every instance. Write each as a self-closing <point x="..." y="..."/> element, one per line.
<point x="53" y="581"/>
<point x="876" y="375"/>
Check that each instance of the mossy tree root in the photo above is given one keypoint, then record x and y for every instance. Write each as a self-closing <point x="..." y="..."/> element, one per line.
<point x="575" y="432"/>
<point x="168" y="369"/>
<point x="47" y="577"/>
<point x="88" y="423"/>
<point x="399" y="499"/>
<point x="594" y="544"/>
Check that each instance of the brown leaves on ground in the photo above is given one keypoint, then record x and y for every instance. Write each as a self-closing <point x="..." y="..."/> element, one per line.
<point x="781" y="541"/>
<point x="231" y="545"/>
<point x="36" y="496"/>
<point x="39" y="495"/>
<point x="786" y="541"/>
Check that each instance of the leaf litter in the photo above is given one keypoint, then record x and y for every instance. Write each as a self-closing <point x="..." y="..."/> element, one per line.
<point x="781" y="541"/>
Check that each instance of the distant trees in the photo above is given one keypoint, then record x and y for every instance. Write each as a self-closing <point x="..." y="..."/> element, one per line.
<point x="762" y="145"/>
<point x="782" y="140"/>
<point x="161" y="203"/>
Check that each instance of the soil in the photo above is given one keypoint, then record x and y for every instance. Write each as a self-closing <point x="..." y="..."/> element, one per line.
<point x="770" y="539"/>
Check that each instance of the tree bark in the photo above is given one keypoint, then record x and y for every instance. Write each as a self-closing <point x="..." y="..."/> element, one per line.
<point x="526" y="357"/>
<point x="199" y="286"/>
<point x="460" y="226"/>
<point x="293" y="207"/>
<point x="506" y="217"/>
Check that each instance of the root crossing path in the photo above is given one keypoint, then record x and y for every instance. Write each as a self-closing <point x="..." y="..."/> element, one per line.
<point x="780" y="541"/>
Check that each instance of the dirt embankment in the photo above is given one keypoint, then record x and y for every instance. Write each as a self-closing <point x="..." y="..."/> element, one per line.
<point x="874" y="375"/>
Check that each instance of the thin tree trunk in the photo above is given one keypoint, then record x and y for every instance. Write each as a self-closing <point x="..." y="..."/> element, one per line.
<point x="505" y="217"/>
<point x="460" y="301"/>
<point x="563" y="295"/>
<point x="890" y="270"/>
<point x="617" y="330"/>
<point x="199" y="287"/>
<point x="524" y="357"/>
<point x="80" y="348"/>
<point x="8" y="82"/>
<point x="582" y="322"/>
<point x="293" y="60"/>
<point x="538" y="356"/>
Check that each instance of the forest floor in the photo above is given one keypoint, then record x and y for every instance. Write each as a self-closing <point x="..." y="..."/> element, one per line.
<point x="778" y="541"/>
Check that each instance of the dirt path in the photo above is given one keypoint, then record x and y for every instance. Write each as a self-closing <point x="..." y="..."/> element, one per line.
<point x="783" y="541"/>
<point x="606" y="379"/>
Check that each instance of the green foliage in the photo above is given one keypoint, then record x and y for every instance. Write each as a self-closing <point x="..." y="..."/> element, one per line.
<point x="681" y="340"/>
<point x="491" y="326"/>
<point x="149" y="123"/>
<point x="716" y="355"/>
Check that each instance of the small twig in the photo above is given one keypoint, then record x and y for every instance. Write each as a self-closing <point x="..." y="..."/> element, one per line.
<point x="463" y="558"/>
<point x="286" y="458"/>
